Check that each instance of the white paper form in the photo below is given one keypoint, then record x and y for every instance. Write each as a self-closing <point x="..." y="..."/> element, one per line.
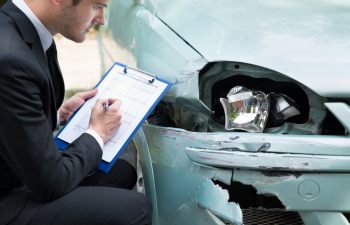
<point x="137" y="95"/>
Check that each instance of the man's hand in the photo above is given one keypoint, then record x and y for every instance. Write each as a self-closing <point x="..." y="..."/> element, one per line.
<point x="106" y="122"/>
<point x="73" y="104"/>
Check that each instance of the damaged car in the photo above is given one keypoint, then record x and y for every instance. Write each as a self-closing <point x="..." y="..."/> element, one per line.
<point x="255" y="129"/>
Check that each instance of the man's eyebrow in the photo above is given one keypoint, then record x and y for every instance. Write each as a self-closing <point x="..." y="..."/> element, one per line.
<point x="101" y="4"/>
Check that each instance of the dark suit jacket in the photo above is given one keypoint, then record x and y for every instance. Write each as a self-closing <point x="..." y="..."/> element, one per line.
<point x="28" y="153"/>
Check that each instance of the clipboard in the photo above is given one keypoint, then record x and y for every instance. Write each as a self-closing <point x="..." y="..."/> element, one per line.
<point x="105" y="166"/>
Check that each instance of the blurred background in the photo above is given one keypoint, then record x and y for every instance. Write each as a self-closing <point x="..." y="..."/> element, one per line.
<point x="82" y="70"/>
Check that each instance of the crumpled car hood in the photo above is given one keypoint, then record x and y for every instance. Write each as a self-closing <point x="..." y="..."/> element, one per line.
<point x="308" y="41"/>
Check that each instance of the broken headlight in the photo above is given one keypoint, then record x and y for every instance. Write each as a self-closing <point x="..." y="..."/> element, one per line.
<point x="249" y="110"/>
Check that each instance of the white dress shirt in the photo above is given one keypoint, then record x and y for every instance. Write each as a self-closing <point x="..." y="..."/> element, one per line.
<point x="46" y="41"/>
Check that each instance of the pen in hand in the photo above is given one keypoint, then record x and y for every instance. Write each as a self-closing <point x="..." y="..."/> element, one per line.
<point x="106" y="105"/>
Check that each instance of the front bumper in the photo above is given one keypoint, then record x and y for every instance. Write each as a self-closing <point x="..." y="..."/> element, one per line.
<point x="310" y="185"/>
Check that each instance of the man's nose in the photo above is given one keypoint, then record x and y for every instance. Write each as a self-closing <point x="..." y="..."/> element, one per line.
<point x="100" y="17"/>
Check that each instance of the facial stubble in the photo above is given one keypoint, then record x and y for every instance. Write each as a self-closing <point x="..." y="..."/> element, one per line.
<point x="69" y="24"/>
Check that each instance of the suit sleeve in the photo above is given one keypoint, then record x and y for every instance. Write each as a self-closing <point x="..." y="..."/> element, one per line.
<point x="26" y="140"/>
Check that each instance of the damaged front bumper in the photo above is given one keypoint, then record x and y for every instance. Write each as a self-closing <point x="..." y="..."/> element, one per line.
<point x="318" y="198"/>
<point x="306" y="174"/>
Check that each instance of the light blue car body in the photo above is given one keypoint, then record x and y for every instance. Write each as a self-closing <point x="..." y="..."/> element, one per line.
<point x="304" y="42"/>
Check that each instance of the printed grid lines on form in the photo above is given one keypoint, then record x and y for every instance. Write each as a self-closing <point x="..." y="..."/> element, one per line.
<point x="136" y="93"/>
<point x="138" y="96"/>
<point x="133" y="93"/>
<point x="83" y="124"/>
<point x="134" y="98"/>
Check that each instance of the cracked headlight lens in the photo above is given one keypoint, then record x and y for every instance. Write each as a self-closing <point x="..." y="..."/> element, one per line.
<point x="249" y="110"/>
<point x="245" y="109"/>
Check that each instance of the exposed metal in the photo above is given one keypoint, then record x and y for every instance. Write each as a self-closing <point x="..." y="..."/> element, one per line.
<point x="245" y="110"/>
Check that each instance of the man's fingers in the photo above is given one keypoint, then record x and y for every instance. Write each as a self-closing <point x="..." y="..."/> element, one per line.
<point x="88" y="94"/>
<point x="100" y="103"/>
<point x="114" y="102"/>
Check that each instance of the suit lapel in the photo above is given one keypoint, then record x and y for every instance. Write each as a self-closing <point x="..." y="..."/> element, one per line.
<point x="28" y="33"/>
<point x="31" y="37"/>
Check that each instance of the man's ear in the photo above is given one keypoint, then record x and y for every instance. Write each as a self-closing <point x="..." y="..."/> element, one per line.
<point x="58" y="2"/>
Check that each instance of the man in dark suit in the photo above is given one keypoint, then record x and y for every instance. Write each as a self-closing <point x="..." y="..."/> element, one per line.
<point x="38" y="183"/>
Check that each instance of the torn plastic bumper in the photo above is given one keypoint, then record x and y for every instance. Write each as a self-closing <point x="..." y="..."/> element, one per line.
<point x="228" y="211"/>
<point x="302" y="192"/>
<point x="182" y="197"/>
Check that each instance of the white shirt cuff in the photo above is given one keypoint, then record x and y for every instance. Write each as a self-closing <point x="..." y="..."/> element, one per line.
<point x="96" y="136"/>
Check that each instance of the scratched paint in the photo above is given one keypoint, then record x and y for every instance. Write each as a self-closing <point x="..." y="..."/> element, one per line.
<point x="310" y="144"/>
<point x="174" y="173"/>
<point x="261" y="160"/>
<point x="264" y="147"/>
<point x="233" y="138"/>
<point x="177" y="178"/>
<point x="213" y="173"/>
<point x="170" y="133"/>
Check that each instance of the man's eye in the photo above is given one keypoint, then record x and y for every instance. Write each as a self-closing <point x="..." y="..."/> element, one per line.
<point x="96" y="7"/>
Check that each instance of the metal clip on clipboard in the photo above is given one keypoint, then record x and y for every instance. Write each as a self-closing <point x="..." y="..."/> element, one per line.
<point x="140" y="71"/>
